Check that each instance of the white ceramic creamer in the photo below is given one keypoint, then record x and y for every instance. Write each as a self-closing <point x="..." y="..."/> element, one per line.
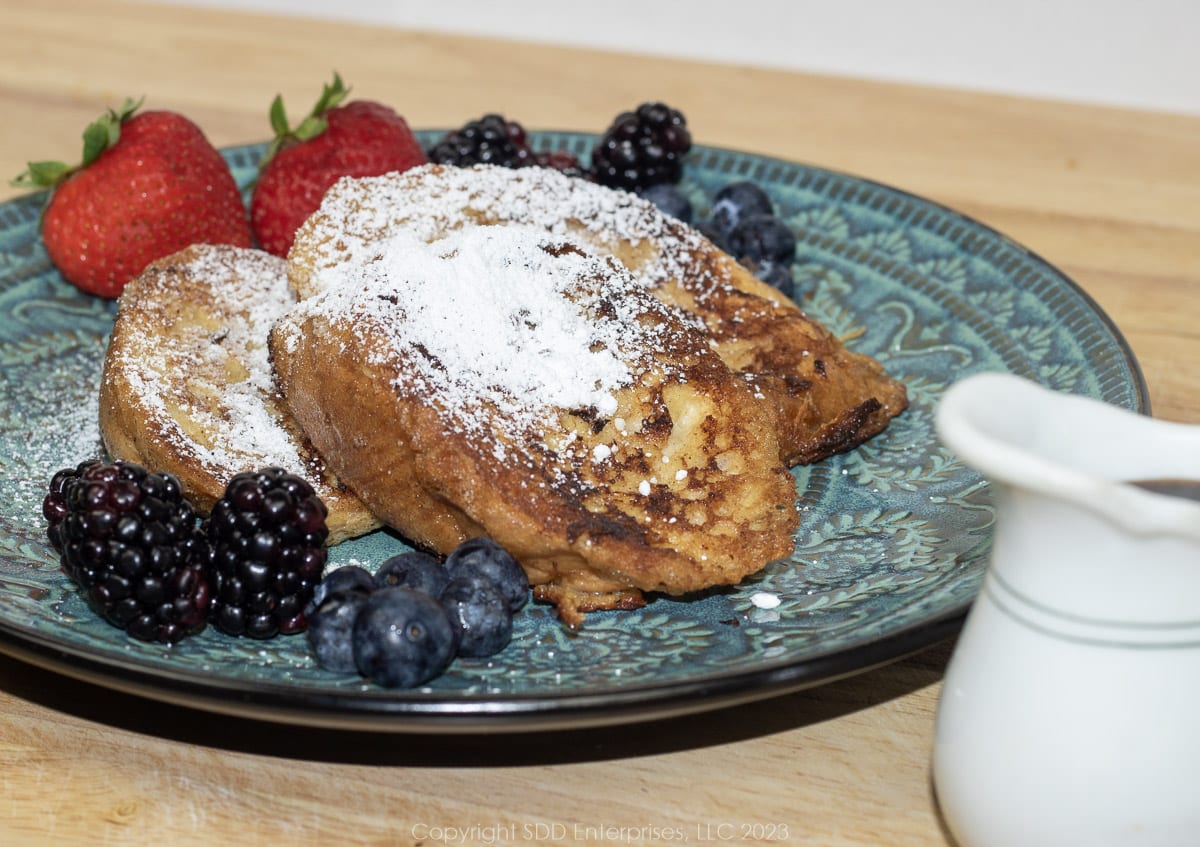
<point x="1070" y="713"/>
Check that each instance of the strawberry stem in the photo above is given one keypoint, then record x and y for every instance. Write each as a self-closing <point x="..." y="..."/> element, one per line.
<point x="98" y="136"/>
<point x="313" y="124"/>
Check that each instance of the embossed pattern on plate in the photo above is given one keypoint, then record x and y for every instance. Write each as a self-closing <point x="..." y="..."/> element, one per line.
<point x="890" y="552"/>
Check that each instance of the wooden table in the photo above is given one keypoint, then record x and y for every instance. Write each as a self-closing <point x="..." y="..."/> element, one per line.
<point x="1112" y="197"/>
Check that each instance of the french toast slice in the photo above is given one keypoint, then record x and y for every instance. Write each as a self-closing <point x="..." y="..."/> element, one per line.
<point x="829" y="398"/>
<point x="506" y="381"/>
<point x="187" y="385"/>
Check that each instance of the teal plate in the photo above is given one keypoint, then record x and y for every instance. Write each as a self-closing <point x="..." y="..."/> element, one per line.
<point x="891" y="548"/>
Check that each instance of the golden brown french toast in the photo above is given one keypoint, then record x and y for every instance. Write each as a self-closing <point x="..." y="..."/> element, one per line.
<point x="828" y="397"/>
<point x="188" y="387"/>
<point x="507" y="381"/>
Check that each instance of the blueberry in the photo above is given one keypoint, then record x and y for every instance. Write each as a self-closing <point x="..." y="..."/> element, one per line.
<point x="762" y="238"/>
<point x="331" y="628"/>
<point x="345" y="578"/>
<point x="734" y="203"/>
<point x="670" y="200"/>
<point x="487" y="558"/>
<point x="708" y="231"/>
<point x="418" y="571"/>
<point x="777" y="275"/>
<point x="402" y="638"/>
<point x="481" y="613"/>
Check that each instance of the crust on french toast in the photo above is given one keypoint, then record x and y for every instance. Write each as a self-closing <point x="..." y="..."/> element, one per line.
<point x="506" y="381"/>
<point x="828" y="398"/>
<point x="187" y="385"/>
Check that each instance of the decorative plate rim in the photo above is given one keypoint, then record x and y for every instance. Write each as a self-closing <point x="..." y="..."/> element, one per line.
<point x="381" y="710"/>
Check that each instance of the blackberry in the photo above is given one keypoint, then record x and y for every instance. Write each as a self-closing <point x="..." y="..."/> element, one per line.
<point x="490" y="140"/>
<point x="267" y="534"/>
<point x="131" y="542"/>
<point x="560" y="160"/>
<point x="642" y="148"/>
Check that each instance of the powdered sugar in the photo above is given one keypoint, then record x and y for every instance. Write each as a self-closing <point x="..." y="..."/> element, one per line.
<point x="513" y="320"/>
<point x="536" y="297"/>
<point x="206" y="383"/>
<point x="59" y="407"/>
<point x="431" y="200"/>
<point x="765" y="600"/>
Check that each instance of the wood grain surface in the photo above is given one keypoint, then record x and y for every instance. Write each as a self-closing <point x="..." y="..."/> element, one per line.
<point x="1112" y="197"/>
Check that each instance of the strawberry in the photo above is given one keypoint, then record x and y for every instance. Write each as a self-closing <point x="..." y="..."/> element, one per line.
<point x="360" y="138"/>
<point x="149" y="185"/>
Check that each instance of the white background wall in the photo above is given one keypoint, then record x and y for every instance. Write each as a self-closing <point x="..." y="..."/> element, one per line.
<point x="1139" y="53"/>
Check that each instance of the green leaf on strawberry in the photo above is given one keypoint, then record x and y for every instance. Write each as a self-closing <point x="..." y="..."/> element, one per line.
<point x="41" y="175"/>
<point x="332" y="94"/>
<point x="100" y="135"/>
<point x="149" y="185"/>
<point x="337" y="139"/>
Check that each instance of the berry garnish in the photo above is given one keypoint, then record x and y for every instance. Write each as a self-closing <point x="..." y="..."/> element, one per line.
<point x="761" y="238"/>
<point x="642" y="148"/>
<point x="560" y="160"/>
<point x="331" y="613"/>
<point x="670" y="200"/>
<point x="345" y="578"/>
<point x="402" y="638"/>
<point x="418" y="571"/>
<point x="268" y="551"/>
<point x="336" y="139"/>
<point x="490" y="140"/>
<point x="777" y="275"/>
<point x="485" y="558"/>
<point x="706" y="229"/>
<point x="743" y="223"/>
<point x="481" y="614"/>
<point x="331" y="629"/>
<point x="148" y="185"/>
<point x="429" y="613"/>
<point x="734" y="202"/>
<point x="130" y="541"/>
